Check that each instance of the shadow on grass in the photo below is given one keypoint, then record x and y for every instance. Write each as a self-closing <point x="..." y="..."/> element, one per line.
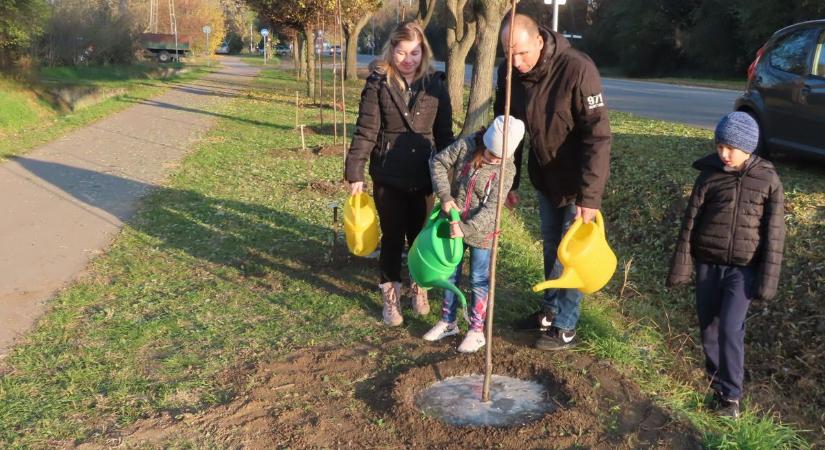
<point x="262" y="244"/>
<point x="170" y="106"/>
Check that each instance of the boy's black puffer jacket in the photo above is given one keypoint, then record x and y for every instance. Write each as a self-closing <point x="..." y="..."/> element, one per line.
<point x="397" y="139"/>
<point x="733" y="218"/>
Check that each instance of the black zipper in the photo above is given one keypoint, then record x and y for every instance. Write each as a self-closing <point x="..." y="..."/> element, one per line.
<point x="735" y="216"/>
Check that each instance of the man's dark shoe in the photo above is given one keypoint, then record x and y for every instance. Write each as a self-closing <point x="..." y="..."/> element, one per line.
<point x="728" y="408"/>
<point x="555" y="339"/>
<point x="539" y="321"/>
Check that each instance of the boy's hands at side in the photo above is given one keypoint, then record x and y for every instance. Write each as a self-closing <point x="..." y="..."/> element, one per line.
<point x="356" y="188"/>
<point x="512" y="200"/>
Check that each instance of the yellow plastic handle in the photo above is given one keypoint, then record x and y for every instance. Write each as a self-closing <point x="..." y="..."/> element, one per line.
<point x="564" y="254"/>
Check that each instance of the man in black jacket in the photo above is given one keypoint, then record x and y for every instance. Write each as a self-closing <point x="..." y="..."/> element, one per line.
<point x="556" y="90"/>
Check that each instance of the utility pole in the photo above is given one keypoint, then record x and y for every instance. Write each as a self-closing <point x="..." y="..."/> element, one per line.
<point x="173" y="24"/>
<point x="556" y="4"/>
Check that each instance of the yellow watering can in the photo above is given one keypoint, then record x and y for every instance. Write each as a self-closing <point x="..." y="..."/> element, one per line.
<point x="361" y="224"/>
<point x="588" y="261"/>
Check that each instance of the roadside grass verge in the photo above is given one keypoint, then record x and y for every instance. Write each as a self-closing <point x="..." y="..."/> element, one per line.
<point x="735" y="84"/>
<point x="230" y="264"/>
<point x="27" y="121"/>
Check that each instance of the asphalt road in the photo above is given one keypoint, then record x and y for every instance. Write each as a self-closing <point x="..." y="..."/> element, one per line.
<point x="697" y="106"/>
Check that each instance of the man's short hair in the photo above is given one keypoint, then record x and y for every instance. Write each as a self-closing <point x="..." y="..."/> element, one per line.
<point x="523" y="22"/>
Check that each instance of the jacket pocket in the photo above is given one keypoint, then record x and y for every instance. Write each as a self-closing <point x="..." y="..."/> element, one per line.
<point x="557" y="127"/>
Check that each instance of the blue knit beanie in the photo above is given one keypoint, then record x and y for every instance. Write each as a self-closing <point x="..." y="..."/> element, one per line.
<point x="738" y="130"/>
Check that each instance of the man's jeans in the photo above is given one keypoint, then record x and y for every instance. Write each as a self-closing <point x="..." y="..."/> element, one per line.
<point x="563" y="303"/>
<point x="479" y="285"/>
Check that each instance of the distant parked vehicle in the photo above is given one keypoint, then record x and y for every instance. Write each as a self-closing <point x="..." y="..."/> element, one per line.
<point x="786" y="90"/>
<point x="164" y="47"/>
<point x="222" y="49"/>
<point x="282" y="50"/>
<point x="334" y="50"/>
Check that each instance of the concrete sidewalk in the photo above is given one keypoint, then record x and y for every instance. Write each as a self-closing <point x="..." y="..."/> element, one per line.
<point x="62" y="204"/>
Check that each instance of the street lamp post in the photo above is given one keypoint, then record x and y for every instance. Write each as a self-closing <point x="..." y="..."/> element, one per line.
<point x="206" y="30"/>
<point x="556" y="4"/>
<point x="265" y="34"/>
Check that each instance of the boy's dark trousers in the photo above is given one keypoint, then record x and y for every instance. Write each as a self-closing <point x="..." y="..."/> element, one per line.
<point x="723" y="295"/>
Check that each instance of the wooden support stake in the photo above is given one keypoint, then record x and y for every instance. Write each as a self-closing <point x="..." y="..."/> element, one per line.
<point x="334" y="99"/>
<point x="303" y="140"/>
<point x="343" y="92"/>
<point x="502" y="196"/>
<point x="297" y="107"/>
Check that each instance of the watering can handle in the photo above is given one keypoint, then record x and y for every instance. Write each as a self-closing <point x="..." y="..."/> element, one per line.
<point x="564" y="255"/>
<point x="600" y="223"/>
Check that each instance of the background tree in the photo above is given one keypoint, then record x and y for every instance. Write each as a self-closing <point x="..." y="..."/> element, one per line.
<point x="461" y="33"/>
<point x="426" y="8"/>
<point x="355" y="15"/>
<point x="21" y="22"/>
<point x="88" y="32"/>
<point x="303" y="16"/>
<point x="192" y="15"/>
<point x="489" y="14"/>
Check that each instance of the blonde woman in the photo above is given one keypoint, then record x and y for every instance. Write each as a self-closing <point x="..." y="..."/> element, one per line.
<point x="403" y="119"/>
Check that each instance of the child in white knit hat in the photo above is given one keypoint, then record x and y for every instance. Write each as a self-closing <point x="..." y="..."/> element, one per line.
<point x="475" y="162"/>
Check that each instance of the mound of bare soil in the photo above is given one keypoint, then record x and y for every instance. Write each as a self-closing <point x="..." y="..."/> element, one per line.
<point x="362" y="397"/>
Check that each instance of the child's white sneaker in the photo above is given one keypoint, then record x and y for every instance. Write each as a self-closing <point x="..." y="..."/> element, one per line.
<point x="441" y="330"/>
<point x="472" y="342"/>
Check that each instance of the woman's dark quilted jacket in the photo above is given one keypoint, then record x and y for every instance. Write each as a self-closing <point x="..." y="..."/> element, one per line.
<point x="400" y="136"/>
<point x="733" y="218"/>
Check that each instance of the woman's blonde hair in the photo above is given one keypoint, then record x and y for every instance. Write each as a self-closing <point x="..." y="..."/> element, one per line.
<point x="407" y="31"/>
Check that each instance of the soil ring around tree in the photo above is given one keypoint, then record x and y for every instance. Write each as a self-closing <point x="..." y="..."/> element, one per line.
<point x="362" y="395"/>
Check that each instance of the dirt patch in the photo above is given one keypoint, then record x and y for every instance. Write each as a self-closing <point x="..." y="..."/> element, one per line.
<point x="329" y="150"/>
<point x="362" y="396"/>
<point x="331" y="188"/>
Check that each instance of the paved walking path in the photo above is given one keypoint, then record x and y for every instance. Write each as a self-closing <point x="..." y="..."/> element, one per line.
<point x="63" y="203"/>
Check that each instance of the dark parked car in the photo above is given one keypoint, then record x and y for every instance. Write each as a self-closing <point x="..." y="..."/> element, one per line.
<point x="786" y="90"/>
<point x="282" y="50"/>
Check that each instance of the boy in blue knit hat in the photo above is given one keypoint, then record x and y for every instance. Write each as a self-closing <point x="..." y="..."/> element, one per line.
<point x="732" y="235"/>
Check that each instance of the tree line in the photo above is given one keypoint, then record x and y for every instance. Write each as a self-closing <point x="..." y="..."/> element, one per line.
<point x="98" y="32"/>
<point x="703" y="37"/>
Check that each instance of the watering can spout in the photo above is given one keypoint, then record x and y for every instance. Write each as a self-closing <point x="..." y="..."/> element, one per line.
<point x="569" y="279"/>
<point x="446" y="285"/>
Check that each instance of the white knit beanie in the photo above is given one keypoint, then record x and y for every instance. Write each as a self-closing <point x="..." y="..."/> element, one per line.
<point x="494" y="136"/>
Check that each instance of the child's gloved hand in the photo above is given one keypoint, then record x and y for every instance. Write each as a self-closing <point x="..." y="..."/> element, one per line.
<point x="455" y="230"/>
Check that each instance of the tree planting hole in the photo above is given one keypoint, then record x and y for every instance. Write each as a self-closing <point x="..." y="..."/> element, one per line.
<point x="457" y="401"/>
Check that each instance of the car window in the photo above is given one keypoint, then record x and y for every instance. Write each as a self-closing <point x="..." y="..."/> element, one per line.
<point x="791" y="52"/>
<point x="818" y="68"/>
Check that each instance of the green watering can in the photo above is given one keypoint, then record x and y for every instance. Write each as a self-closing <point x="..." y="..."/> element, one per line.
<point x="434" y="256"/>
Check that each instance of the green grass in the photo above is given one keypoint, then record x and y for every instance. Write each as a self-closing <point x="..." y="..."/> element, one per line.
<point x="17" y="108"/>
<point x="736" y="84"/>
<point x="227" y="266"/>
<point x="27" y="121"/>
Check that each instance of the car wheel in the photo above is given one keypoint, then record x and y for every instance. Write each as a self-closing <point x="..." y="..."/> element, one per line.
<point x="761" y="148"/>
<point x="164" y="57"/>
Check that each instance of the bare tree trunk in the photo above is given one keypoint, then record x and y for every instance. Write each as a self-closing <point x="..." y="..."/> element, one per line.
<point x="351" y="32"/>
<point x="460" y="37"/>
<point x="299" y="53"/>
<point x="489" y="15"/>
<point x="425" y="12"/>
<point x="296" y="58"/>
<point x="309" y="46"/>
